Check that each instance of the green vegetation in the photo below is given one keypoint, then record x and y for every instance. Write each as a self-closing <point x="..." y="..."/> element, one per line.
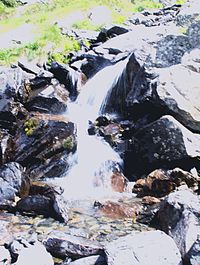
<point x="69" y="143"/>
<point x="49" y="43"/>
<point x="180" y="2"/>
<point x="30" y="126"/>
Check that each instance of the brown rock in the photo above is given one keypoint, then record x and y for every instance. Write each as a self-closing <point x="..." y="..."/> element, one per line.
<point x="157" y="183"/>
<point x="150" y="200"/>
<point x="118" y="182"/>
<point x="119" y="210"/>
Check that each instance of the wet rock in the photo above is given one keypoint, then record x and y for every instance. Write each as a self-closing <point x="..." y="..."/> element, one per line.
<point x="165" y="142"/>
<point x="13" y="182"/>
<point x="43" y="146"/>
<point x="5" y="258"/>
<point x="36" y="204"/>
<point x="46" y="202"/>
<point x="91" y="63"/>
<point x="63" y="245"/>
<point x="97" y="260"/>
<point x="193" y="256"/>
<point x="118" y="182"/>
<point x="179" y="217"/>
<point x="68" y="77"/>
<point x="130" y="249"/>
<point x="53" y="99"/>
<point x="118" y="210"/>
<point x="5" y="146"/>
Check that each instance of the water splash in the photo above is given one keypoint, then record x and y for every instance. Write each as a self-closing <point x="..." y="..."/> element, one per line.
<point x="94" y="159"/>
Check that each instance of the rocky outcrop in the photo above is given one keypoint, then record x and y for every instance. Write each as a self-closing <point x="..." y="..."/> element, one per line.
<point x="179" y="217"/>
<point x="164" y="142"/>
<point x="43" y="146"/>
<point x="130" y="249"/>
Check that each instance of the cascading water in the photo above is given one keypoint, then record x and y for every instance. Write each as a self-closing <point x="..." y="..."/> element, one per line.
<point x="93" y="162"/>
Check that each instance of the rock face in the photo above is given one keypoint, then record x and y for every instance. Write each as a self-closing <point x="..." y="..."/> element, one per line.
<point x="193" y="256"/>
<point x="12" y="179"/>
<point x="97" y="260"/>
<point x="165" y="142"/>
<point x="43" y="145"/>
<point x="179" y="217"/>
<point x="140" y="248"/>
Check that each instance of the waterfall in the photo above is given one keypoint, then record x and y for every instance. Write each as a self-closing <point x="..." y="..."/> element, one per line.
<point x="93" y="162"/>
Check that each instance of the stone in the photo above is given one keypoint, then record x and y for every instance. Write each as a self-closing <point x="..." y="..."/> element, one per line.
<point x="53" y="100"/>
<point x="67" y="76"/>
<point x="5" y="235"/>
<point x="118" y="182"/>
<point x="165" y="142"/>
<point x="96" y="17"/>
<point x="97" y="260"/>
<point x="149" y="200"/>
<point x="43" y="146"/>
<point x="118" y="210"/>
<point x="179" y="96"/>
<point x="62" y="245"/>
<point x="191" y="60"/>
<point x="178" y="216"/>
<point x="13" y="180"/>
<point x="142" y="248"/>
<point x="193" y="33"/>
<point x="5" y="146"/>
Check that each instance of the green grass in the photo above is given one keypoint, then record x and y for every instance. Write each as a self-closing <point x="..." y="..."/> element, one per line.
<point x="44" y="16"/>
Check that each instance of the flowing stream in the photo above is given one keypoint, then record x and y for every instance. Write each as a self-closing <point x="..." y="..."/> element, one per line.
<point x="94" y="160"/>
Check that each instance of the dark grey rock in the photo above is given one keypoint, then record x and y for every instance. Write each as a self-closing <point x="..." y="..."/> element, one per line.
<point x="63" y="245"/>
<point x="66" y="76"/>
<point x="171" y="49"/>
<point x="164" y="142"/>
<point x="179" y="217"/>
<point x="43" y="146"/>
<point x="53" y="99"/>
<point x="12" y="177"/>
<point x="193" y="33"/>
<point x="130" y="249"/>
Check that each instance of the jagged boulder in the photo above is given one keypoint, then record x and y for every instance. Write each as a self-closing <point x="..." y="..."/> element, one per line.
<point x="179" y="217"/>
<point x="164" y="142"/>
<point x="43" y="146"/>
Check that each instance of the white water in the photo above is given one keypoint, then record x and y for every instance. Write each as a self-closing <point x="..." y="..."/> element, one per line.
<point x="94" y="160"/>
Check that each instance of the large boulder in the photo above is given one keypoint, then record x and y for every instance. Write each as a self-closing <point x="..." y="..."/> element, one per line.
<point x="179" y="217"/>
<point x="164" y="142"/>
<point x="143" y="248"/>
<point x="43" y="146"/>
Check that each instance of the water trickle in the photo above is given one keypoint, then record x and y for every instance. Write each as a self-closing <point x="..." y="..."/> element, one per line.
<point x="94" y="160"/>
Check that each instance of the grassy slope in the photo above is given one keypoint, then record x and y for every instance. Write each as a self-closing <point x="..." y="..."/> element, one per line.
<point x="44" y="16"/>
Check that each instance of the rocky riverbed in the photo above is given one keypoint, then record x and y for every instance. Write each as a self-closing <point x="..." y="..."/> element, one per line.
<point x="149" y="118"/>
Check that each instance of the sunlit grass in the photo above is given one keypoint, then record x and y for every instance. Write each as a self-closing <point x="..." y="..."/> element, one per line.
<point x="48" y="37"/>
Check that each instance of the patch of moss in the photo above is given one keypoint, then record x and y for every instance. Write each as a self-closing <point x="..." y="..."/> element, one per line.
<point x="69" y="143"/>
<point x="30" y="126"/>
